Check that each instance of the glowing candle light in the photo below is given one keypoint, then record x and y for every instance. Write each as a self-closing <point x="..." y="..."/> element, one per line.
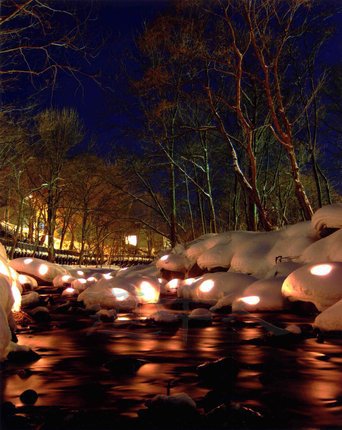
<point x="207" y="286"/>
<point x="148" y="293"/>
<point x="107" y="276"/>
<point x="65" y="278"/>
<point x="17" y="297"/>
<point x="120" y="294"/>
<point x="80" y="272"/>
<point x="321" y="270"/>
<point x="28" y="260"/>
<point x="251" y="300"/>
<point x="164" y="258"/>
<point x="43" y="269"/>
<point x="173" y="284"/>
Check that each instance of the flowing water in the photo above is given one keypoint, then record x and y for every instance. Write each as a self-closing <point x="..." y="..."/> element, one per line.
<point x="300" y="385"/>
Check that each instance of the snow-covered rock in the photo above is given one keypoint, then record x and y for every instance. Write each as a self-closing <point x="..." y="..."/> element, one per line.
<point x="203" y="243"/>
<point x="28" y="281"/>
<point x="108" y="298"/>
<point x="30" y="299"/>
<point x="319" y="284"/>
<point x="330" y="319"/>
<point x="327" y="216"/>
<point x="324" y="250"/>
<point x="164" y="317"/>
<point x="200" y="314"/>
<point x="173" y="263"/>
<point x="283" y="268"/>
<point x="262" y="295"/>
<point x="218" y="256"/>
<point x="6" y="303"/>
<point x="39" y="269"/>
<point x="212" y="286"/>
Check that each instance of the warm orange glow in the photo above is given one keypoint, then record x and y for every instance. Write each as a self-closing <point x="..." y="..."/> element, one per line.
<point x="251" y="300"/>
<point x="190" y="281"/>
<point x="120" y="294"/>
<point x="69" y="290"/>
<point x="28" y="260"/>
<point x="321" y="269"/>
<point x="148" y="293"/>
<point x="43" y="269"/>
<point x="17" y="297"/>
<point x="4" y="269"/>
<point x="173" y="284"/>
<point x="207" y="286"/>
<point x="23" y="279"/>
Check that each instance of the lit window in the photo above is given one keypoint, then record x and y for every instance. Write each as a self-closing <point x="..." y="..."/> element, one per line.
<point x="132" y="239"/>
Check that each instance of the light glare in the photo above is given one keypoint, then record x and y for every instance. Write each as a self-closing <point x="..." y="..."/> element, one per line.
<point x="28" y="260"/>
<point x="207" y="286"/>
<point x="321" y="270"/>
<point x="120" y="294"/>
<point x="43" y="269"/>
<point x="148" y="292"/>
<point x="251" y="300"/>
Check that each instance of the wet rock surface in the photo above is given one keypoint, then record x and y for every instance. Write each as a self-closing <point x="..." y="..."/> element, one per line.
<point x="89" y="373"/>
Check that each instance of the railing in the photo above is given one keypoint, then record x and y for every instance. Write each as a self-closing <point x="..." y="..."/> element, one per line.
<point x="67" y="257"/>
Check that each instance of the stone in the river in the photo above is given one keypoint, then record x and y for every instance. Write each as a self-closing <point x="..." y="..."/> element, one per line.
<point x="124" y="365"/>
<point x="29" y="397"/>
<point x="23" y="356"/>
<point x="41" y="314"/>
<point x="235" y="416"/>
<point x="219" y="373"/>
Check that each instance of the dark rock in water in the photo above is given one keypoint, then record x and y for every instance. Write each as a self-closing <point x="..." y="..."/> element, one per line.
<point x="279" y="340"/>
<point x="63" y="309"/>
<point x="29" y="397"/>
<point x="24" y="373"/>
<point x="303" y="308"/>
<point x="168" y="275"/>
<point x="14" y="337"/>
<point x="123" y="366"/>
<point x="176" y="412"/>
<point x="41" y="314"/>
<point x="7" y="409"/>
<point x="16" y="422"/>
<point x="235" y="416"/>
<point x="23" y="356"/>
<point x="218" y="269"/>
<point x="195" y="271"/>
<point x="219" y="373"/>
<point x="215" y="398"/>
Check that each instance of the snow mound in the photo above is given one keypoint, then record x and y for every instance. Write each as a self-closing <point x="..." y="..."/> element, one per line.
<point x="212" y="286"/>
<point x="200" y="314"/>
<point x="108" y="298"/>
<point x="283" y="268"/>
<point x="62" y="280"/>
<point x="327" y="216"/>
<point x="39" y="269"/>
<point x="324" y="250"/>
<point x="6" y="303"/>
<point x="197" y="247"/>
<point x="164" y="317"/>
<point x="330" y="319"/>
<point x="173" y="263"/>
<point x="262" y="295"/>
<point x="319" y="284"/>
<point x="217" y="256"/>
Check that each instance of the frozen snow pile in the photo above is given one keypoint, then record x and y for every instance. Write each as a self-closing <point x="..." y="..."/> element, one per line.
<point x="37" y="268"/>
<point x="331" y="318"/>
<point x="262" y="295"/>
<point x="204" y="243"/>
<point x="212" y="286"/>
<point x="254" y="253"/>
<point x="105" y="297"/>
<point x="324" y="250"/>
<point x="6" y="303"/>
<point x="320" y="284"/>
<point x="327" y="216"/>
<point x="283" y="269"/>
<point x="200" y="314"/>
<point x="173" y="263"/>
<point x="164" y="317"/>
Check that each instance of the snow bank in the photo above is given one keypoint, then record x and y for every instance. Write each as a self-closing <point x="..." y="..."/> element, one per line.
<point x="262" y="295"/>
<point x="324" y="250"/>
<point x="330" y="319"/>
<point x="327" y="216"/>
<point x="319" y="284"/>
<point x="164" y="317"/>
<point x="173" y="263"/>
<point x="39" y="269"/>
<point x="108" y="298"/>
<point x="212" y="286"/>
<point x="6" y="303"/>
<point x="198" y="246"/>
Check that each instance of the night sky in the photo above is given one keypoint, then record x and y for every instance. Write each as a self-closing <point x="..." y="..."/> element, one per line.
<point x="100" y="107"/>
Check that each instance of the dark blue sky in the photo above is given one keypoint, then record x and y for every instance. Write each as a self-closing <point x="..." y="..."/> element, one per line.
<point x="118" y="22"/>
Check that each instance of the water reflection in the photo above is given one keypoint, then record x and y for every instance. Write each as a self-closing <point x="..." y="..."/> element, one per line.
<point x="299" y="386"/>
